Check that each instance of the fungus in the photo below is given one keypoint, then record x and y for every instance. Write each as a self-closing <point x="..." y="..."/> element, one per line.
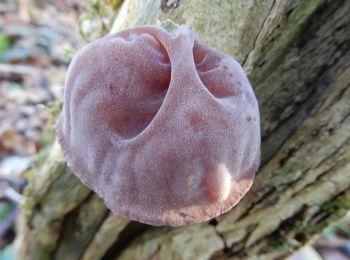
<point x="165" y="129"/>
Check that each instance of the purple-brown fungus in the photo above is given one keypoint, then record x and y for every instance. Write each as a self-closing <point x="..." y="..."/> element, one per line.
<point x="165" y="129"/>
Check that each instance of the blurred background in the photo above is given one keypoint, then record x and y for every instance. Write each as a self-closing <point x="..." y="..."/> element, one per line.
<point x="37" y="41"/>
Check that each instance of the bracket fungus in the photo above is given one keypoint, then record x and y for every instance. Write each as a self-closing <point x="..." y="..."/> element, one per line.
<point x="165" y="129"/>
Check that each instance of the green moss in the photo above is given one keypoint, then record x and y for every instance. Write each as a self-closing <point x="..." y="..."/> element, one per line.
<point x="169" y="25"/>
<point x="340" y="203"/>
<point x="275" y="51"/>
<point x="297" y="225"/>
<point x="5" y="210"/>
<point x="279" y="245"/>
<point x="4" y="43"/>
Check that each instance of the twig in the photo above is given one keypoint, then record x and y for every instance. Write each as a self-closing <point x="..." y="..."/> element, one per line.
<point x="17" y="69"/>
<point x="13" y="195"/>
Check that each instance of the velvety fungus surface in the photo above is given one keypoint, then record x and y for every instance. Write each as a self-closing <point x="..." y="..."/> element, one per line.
<point x="165" y="129"/>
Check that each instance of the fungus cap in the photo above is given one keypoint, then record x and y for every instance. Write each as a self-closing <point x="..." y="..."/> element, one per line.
<point x="166" y="130"/>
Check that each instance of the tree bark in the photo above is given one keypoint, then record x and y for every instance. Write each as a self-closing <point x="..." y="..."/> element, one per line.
<point x="297" y="55"/>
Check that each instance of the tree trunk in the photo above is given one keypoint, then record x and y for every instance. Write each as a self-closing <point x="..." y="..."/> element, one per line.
<point x="297" y="55"/>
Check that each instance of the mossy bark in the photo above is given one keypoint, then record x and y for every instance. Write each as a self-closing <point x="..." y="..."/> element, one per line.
<point x="297" y="55"/>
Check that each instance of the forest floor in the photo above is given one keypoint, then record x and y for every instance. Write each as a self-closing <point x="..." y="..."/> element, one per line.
<point x="37" y="40"/>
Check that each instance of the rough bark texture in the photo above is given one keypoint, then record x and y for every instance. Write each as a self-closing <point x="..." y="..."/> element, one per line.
<point x="297" y="54"/>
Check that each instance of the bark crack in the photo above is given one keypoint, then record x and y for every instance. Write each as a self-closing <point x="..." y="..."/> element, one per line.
<point x="214" y="222"/>
<point x="252" y="205"/>
<point x="259" y="32"/>
<point x="126" y="236"/>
